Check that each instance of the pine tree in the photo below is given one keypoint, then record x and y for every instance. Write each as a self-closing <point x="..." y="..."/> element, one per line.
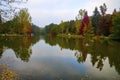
<point x="95" y="21"/>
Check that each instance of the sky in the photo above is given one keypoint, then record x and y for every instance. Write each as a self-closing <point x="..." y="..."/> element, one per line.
<point x="44" y="12"/>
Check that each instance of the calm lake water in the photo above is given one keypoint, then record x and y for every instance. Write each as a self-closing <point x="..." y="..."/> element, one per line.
<point x="47" y="58"/>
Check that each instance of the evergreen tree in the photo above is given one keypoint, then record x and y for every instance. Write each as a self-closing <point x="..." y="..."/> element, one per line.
<point x="95" y="21"/>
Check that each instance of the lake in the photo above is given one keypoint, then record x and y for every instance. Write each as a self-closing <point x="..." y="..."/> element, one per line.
<point x="50" y="58"/>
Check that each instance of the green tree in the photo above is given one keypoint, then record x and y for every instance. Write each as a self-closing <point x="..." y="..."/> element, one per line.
<point x="72" y="27"/>
<point x="48" y="28"/>
<point x="24" y="20"/>
<point x="16" y="24"/>
<point x="116" y="26"/>
<point x="36" y="30"/>
<point x="65" y="27"/>
<point x="80" y="14"/>
<point x="95" y="21"/>
<point x="0" y="19"/>
<point x="1" y="24"/>
<point x="77" y="26"/>
<point x="61" y="27"/>
<point x="54" y="30"/>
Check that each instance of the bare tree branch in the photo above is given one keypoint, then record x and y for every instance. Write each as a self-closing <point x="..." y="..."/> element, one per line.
<point x="8" y="8"/>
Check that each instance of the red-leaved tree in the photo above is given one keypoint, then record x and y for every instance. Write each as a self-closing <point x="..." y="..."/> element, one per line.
<point x="85" y="24"/>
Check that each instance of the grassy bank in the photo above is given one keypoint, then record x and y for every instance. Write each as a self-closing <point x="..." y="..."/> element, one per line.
<point x="81" y="37"/>
<point x="70" y="36"/>
<point x="12" y="35"/>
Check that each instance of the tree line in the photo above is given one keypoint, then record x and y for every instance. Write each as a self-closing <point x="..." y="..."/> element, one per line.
<point x="20" y="24"/>
<point x="99" y="24"/>
<point x="16" y="21"/>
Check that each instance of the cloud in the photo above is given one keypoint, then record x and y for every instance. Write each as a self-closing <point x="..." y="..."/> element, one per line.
<point x="47" y="17"/>
<point x="48" y="11"/>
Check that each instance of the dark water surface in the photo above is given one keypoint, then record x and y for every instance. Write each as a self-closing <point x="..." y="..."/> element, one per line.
<point x="35" y="58"/>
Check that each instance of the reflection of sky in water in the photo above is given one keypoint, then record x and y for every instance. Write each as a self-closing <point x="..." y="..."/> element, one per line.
<point x="51" y="62"/>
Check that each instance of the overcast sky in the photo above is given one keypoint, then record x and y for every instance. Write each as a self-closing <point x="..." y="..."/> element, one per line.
<point x="44" y="12"/>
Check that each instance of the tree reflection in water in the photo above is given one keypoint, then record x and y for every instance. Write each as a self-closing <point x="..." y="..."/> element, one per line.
<point x="99" y="50"/>
<point x="20" y="45"/>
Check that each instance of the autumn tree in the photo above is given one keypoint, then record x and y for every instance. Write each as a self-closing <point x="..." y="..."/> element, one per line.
<point x="103" y="9"/>
<point x="106" y="25"/>
<point x="79" y="18"/>
<point x="8" y="9"/>
<point x="64" y="27"/>
<point x="105" y="21"/>
<point x="24" y="20"/>
<point x="84" y="24"/>
<point x="48" y="28"/>
<point x="54" y="30"/>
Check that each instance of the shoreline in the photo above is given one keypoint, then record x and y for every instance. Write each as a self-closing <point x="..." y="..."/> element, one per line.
<point x="14" y="35"/>
<point x="83" y="37"/>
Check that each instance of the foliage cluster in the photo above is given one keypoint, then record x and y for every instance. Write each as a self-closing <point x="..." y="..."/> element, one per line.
<point x="20" y="24"/>
<point x="99" y="24"/>
<point x="15" y="21"/>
